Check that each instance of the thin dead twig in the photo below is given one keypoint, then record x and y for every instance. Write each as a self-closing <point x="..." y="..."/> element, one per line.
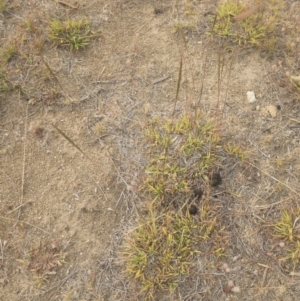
<point x="24" y="161"/>
<point x="68" y="4"/>
<point x="159" y="80"/>
<point x="298" y="121"/>
<point x="29" y="224"/>
<point x="143" y="25"/>
<point x="60" y="283"/>
<point x="264" y="276"/>
<point x="127" y="185"/>
<point x="275" y="179"/>
<point x="21" y="205"/>
<point x="56" y="78"/>
<point x="1" y="247"/>
<point x="101" y="190"/>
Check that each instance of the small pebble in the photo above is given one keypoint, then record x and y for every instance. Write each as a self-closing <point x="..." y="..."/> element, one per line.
<point x="236" y="290"/>
<point x="281" y="244"/>
<point x="230" y="283"/>
<point x="158" y="10"/>
<point x="228" y="287"/>
<point x="251" y="96"/>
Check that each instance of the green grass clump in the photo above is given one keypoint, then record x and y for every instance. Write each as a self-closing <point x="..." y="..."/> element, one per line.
<point x="257" y="29"/>
<point x="162" y="249"/>
<point x="181" y="151"/>
<point x="287" y="229"/>
<point x="4" y="83"/>
<point x="75" y="34"/>
<point x="6" y="54"/>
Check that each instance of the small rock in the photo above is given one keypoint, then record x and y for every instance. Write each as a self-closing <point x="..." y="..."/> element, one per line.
<point x="228" y="287"/>
<point x="158" y="10"/>
<point x="235" y="258"/>
<point x="225" y="266"/>
<point x="32" y="101"/>
<point x="236" y="290"/>
<point x="251" y="97"/>
<point x="269" y="111"/>
<point x="230" y="283"/>
<point x="272" y="110"/>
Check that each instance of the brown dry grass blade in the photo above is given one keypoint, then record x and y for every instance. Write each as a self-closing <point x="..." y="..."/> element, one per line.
<point x="178" y="86"/>
<point x="52" y="73"/>
<point x="247" y="13"/>
<point x="179" y="78"/>
<point x="71" y="141"/>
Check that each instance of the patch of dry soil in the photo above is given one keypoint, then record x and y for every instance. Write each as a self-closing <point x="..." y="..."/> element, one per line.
<point x="65" y="212"/>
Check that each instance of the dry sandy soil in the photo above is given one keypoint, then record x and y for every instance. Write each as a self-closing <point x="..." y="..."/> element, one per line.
<point x="64" y="214"/>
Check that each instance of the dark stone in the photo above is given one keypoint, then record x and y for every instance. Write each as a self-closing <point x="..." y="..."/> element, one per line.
<point x="215" y="179"/>
<point x="198" y="192"/>
<point x="193" y="209"/>
<point x="158" y="10"/>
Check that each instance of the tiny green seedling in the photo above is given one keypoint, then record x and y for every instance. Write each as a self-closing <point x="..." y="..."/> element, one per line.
<point x="234" y="149"/>
<point x="287" y="229"/>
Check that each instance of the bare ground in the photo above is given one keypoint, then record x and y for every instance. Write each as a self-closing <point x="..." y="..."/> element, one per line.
<point x="67" y="215"/>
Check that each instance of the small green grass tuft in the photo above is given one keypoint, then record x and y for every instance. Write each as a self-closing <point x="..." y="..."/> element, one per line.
<point x="234" y="149"/>
<point x="5" y="85"/>
<point x="287" y="229"/>
<point x="7" y="53"/>
<point x="3" y="6"/>
<point x="3" y="82"/>
<point x="284" y="227"/>
<point x="191" y="18"/>
<point x="75" y="34"/>
<point x="255" y="28"/>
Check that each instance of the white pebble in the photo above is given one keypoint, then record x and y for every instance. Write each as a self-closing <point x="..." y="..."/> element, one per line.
<point x="251" y="96"/>
<point x="236" y="290"/>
